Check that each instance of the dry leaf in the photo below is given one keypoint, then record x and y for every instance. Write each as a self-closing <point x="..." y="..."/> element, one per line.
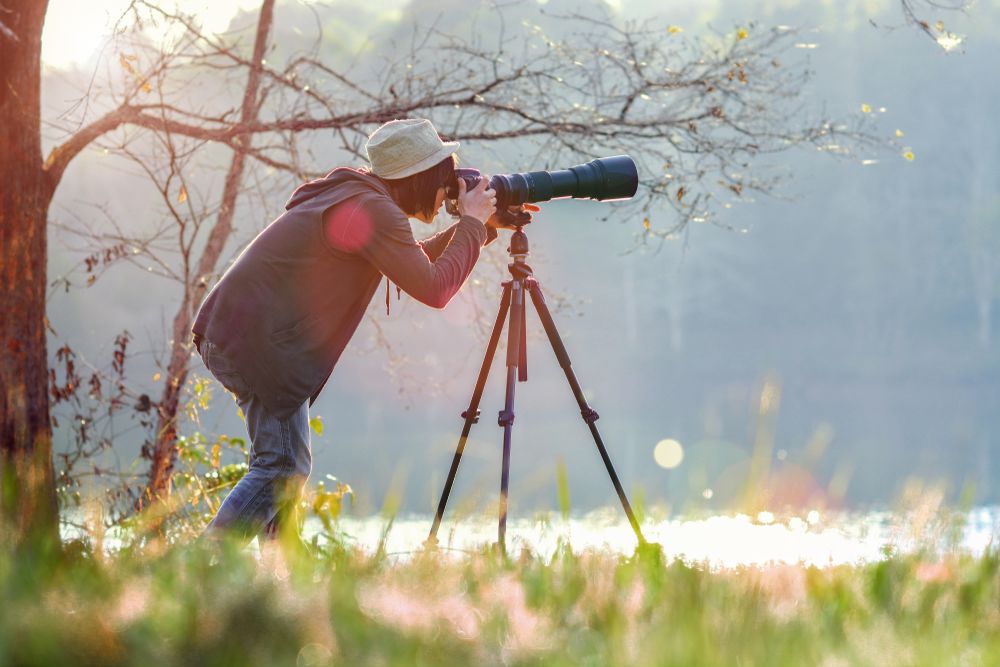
<point x="126" y="65"/>
<point x="183" y="196"/>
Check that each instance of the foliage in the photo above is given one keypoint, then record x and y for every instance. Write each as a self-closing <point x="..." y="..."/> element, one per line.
<point x="208" y="466"/>
<point x="92" y="413"/>
<point x="215" y="604"/>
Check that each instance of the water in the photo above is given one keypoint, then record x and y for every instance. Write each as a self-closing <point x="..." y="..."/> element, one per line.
<point x="720" y="541"/>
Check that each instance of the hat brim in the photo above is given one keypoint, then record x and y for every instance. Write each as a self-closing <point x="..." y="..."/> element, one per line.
<point x="447" y="148"/>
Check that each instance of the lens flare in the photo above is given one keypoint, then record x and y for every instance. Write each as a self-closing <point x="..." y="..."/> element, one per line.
<point x="668" y="453"/>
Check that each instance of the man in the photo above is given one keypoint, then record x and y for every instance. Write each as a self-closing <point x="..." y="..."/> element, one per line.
<point x="274" y="326"/>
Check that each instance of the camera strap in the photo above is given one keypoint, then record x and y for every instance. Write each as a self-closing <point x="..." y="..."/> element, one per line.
<point x="399" y="293"/>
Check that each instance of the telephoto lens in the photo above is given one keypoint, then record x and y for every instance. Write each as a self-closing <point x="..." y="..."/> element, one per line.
<point x="603" y="179"/>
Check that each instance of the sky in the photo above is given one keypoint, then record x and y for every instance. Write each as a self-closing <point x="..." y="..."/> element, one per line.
<point x="74" y="30"/>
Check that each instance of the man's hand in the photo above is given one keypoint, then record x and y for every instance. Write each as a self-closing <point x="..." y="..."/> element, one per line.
<point x="480" y="202"/>
<point x="497" y="221"/>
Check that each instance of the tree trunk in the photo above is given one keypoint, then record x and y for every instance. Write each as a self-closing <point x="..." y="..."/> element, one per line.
<point x="165" y="448"/>
<point x="27" y="492"/>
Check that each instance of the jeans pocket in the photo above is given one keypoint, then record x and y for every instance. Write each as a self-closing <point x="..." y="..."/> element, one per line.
<point x="224" y="370"/>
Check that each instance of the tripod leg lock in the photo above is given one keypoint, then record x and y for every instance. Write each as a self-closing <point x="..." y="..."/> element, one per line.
<point x="590" y="415"/>
<point x="475" y="417"/>
<point x="505" y="418"/>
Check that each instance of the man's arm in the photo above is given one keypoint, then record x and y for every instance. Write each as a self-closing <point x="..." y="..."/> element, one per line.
<point x="390" y="247"/>
<point x="434" y="245"/>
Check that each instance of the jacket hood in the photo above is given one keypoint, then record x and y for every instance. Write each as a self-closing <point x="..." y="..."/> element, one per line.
<point x="350" y="182"/>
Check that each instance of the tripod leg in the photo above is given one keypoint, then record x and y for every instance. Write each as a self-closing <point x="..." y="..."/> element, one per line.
<point x="588" y="413"/>
<point x="522" y="360"/>
<point x="506" y="418"/>
<point x="472" y="414"/>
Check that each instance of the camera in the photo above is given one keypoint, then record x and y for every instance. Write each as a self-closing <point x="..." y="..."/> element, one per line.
<point x="603" y="179"/>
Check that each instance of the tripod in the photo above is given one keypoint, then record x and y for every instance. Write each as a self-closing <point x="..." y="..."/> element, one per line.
<point x="512" y="304"/>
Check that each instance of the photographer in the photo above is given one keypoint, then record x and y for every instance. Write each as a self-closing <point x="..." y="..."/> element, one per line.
<point x="273" y="327"/>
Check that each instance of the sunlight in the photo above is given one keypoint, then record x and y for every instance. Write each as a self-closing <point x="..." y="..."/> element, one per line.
<point x="668" y="453"/>
<point x="76" y="31"/>
<point x="950" y="41"/>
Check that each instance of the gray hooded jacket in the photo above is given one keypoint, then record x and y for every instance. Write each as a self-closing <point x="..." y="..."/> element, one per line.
<point x="287" y="307"/>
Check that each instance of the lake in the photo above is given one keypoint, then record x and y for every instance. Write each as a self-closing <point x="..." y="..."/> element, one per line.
<point x="719" y="541"/>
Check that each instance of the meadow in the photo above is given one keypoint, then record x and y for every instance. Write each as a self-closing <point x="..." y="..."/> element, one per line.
<point x="331" y="603"/>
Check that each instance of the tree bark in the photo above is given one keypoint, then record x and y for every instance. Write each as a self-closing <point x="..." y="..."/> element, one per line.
<point x="164" y="453"/>
<point x="26" y="480"/>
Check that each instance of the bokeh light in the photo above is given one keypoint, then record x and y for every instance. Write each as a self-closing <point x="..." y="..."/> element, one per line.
<point x="668" y="453"/>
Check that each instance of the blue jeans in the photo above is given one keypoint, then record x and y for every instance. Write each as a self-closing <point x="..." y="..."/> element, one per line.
<point x="280" y="460"/>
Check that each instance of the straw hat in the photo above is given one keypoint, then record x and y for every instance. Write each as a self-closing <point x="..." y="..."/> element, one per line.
<point x="402" y="148"/>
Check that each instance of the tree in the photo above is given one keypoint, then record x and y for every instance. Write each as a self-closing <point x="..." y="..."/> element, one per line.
<point x="25" y="436"/>
<point x="699" y="114"/>
<point x="196" y="283"/>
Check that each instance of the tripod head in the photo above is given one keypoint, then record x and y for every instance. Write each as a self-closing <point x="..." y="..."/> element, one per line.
<point x="518" y="248"/>
<point x="516" y="218"/>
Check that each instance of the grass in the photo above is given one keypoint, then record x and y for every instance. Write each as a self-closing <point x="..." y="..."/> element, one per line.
<point x="193" y="604"/>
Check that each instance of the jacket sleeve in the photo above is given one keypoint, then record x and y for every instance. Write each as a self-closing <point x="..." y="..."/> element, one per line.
<point x="433" y="246"/>
<point x="390" y="247"/>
